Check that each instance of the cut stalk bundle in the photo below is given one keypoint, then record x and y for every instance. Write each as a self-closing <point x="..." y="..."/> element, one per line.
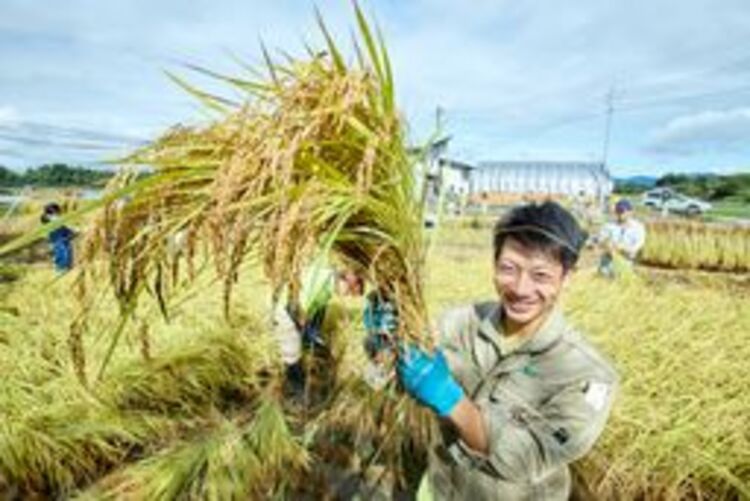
<point x="313" y="160"/>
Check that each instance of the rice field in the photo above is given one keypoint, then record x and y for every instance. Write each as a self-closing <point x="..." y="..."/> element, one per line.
<point x="193" y="410"/>
<point x="696" y="245"/>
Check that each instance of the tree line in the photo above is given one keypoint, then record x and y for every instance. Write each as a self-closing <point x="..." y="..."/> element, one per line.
<point x="53" y="175"/>
<point x="710" y="187"/>
<point x="706" y="186"/>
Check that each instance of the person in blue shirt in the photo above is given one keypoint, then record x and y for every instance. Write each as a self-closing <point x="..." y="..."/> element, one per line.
<point x="380" y="319"/>
<point x="60" y="239"/>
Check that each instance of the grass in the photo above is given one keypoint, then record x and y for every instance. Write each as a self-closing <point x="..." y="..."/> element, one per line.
<point x="681" y="406"/>
<point x="736" y="209"/>
<point x="310" y="159"/>
<point x="199" y="384"/>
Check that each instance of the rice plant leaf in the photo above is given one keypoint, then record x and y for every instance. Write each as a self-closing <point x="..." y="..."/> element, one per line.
<point x="372" y="49"/>
<point x="216" y="103"/>
<point x="387" y="87"/>
<point x="338" y="60"/>
<point x="242" y="84"/>
<point x="270" y="66"/>
<point x="115" y="338"/>
<point x="358" y="50"/>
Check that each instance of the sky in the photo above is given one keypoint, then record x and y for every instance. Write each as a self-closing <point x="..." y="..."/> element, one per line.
<point x="84" y="81"/>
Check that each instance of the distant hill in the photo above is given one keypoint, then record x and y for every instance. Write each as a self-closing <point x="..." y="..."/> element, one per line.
<point x="644" y="181"/>
<point x="634" y="184"/>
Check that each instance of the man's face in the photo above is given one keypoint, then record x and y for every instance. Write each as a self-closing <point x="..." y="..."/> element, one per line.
<point x="528" y="282"/>
<point x="622" y="215"/>
<point x="350" y="284"/>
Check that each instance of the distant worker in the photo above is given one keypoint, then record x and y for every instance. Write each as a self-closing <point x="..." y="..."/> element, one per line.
<point x="298" y="321"/>
<point x="520" y="394"/>
<point x="621" y="241"/>
<point x="60" y="239"/>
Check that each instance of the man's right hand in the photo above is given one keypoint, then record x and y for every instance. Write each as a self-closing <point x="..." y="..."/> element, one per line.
<point x="429" y="380"/>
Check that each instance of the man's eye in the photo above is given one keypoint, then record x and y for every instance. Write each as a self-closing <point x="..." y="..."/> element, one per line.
<point x="542" y="277"/>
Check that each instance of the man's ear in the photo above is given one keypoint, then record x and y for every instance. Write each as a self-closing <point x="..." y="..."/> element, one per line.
<point x="566" y="279"/>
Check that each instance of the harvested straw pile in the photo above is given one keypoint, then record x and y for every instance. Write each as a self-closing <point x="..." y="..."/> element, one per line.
<point x="196" y="421"/>
<point x="680" y="427"/>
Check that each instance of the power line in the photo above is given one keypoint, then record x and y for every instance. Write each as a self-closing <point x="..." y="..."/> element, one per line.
<point x="35" y="141"/>
<point x="654" y="103"/>
<point x="48" y="129"/>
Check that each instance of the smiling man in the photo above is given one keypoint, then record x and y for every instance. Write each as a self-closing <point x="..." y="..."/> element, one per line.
<point x="520" y="393"/>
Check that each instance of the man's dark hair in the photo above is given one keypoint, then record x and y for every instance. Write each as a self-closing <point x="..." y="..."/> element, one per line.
<point x="547" y="227"/>
<point x="51" y="209"/>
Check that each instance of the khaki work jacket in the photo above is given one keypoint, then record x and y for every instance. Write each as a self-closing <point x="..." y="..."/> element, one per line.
<point x="544" y="405"/>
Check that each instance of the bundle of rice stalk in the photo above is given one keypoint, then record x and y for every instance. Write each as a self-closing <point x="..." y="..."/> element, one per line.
<point x="687" y="244"/>
<point x="232" y="460"/>
<point x="312" y="160"/>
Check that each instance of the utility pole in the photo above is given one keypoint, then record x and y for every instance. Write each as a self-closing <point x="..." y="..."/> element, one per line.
<point x="608" y="125"/>
<point x="605" y="146"/>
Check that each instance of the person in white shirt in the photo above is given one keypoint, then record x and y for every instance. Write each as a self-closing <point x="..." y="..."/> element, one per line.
<point x="622" y="239"/>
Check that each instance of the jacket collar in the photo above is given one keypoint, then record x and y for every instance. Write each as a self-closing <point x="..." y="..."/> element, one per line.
<point x="545" y="338"/>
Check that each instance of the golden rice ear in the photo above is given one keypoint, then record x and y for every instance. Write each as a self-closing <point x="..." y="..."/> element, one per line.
<point x="314" y="160"/>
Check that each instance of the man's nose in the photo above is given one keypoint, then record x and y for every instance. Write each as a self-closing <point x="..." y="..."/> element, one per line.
<point x="522" y="285"/>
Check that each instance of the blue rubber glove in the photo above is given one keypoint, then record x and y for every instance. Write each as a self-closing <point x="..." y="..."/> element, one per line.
<point x="429" y="380"/>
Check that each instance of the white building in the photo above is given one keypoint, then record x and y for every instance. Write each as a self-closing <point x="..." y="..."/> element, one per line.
<point x="589" y="179"/>
<point x="455" y="177"/>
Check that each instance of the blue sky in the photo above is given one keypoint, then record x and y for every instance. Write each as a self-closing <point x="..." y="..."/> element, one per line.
<point x="83" y="81"/>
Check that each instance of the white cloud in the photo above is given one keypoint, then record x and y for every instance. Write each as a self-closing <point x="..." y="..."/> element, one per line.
<point x="520" y="73"/>
<point x="691" y="134"/>
<point x="8" y="115"/>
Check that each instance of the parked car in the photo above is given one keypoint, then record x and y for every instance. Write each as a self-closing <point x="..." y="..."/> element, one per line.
<point x="670" y="200"/>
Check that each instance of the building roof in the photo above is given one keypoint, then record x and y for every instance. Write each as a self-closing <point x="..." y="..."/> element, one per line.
<point x="545" y="166"/>
<point x="433" y="149"/>
<point x="456" y="164"/>
<point x="543" y="169"/>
